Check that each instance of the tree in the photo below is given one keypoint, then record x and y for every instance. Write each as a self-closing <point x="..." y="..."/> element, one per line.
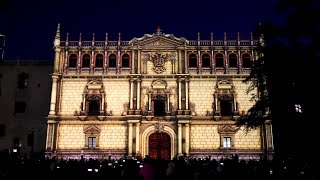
<point x="284" y="76"/>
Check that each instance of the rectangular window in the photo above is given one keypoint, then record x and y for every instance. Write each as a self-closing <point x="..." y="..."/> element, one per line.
<point x="92" y="142"/>
<point x="20" y="107"/>
<point x="227" y="142"/>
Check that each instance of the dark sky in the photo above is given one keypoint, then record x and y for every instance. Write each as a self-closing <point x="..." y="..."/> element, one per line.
<point x="30" y="25"/>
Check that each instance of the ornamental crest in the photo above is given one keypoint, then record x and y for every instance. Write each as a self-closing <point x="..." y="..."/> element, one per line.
<point x="158" y="60"/>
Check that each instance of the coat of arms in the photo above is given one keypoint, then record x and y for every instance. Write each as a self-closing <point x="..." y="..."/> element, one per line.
<point x="158" y="60"/>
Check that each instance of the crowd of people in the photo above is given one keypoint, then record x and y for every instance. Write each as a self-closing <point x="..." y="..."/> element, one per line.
<point x="132" y="168"/>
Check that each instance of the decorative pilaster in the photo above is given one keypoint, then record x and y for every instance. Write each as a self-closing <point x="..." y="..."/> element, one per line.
<point x="187" y="111"/>
<point x="131" y="96"/>
<point x="139" y="61"/>
<point x="180" y="62"/>
<point x="137" y="137"/>
<point x="79" y="55"/>
<point x="50" y="141"/>
<point x="130" y="139"/>
<point x="186" y="71"/>
<point x="168" y="103"/>
<point x="132" y="61"/>
<point x="179" y="139"/>
<point x="53" y="96"/>
<point x="149" y="103"/>
<point x="119" y="53"/>
<point x="187" y="138"/>
<point x="138" y="97"/>
<point x="179" y="94"/>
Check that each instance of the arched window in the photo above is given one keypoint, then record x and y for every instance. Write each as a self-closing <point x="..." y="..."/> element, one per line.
<point x="99" y="60"/>
<point x="86" y="60"/>
<point x="193" y="60"/>
<point x="125" y="62"/>
<point x="233" y="60"/>
<point x="219" y="61"/>
<point x="206" y="60"/>
<point x="246" y="63"/>
<point x="72" y="60"/>
<point x="112" y="60"/>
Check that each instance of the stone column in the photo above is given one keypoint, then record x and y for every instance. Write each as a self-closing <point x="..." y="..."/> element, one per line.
<point x="102" y="105"/>
<point x="66" y="62"/>
<point x="57" y="59"/>
<point x="185" y="61"/>
<point x="139" y="61"/>
<point x="235" y="103"/>
<point x="149" y="103"/>
<point x="53" y="96"/>
<point x="79" y="62"/>
<point x="179" y="94"/>
<point x="131" y="94"/>
<point x="83" y="102"/>
<point x="92" y="61"/>
<point x="132" y="61"/>
<point x="130" y="140"/>
<point x="179" y="139"/>
<point x="173" y="61"/>
<point x="138" y="94"/>
<point x="187" y="94"/>
<point x="137" y="137"/>
<point x="187" y="138"/>
<point x="168" y="102"/>
<point x="180" y="65"/>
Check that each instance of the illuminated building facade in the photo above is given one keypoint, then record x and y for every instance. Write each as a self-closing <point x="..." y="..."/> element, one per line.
<point x="158" y="95"/>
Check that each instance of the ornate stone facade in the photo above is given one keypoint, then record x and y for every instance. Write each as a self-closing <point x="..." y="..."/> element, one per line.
<point x="159" y="95"/>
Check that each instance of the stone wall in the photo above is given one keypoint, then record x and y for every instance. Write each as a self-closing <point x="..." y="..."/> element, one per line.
<point x="111" y="137"/>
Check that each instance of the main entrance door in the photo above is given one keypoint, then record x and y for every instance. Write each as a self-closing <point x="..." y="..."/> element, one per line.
<point x="160" y="146"/>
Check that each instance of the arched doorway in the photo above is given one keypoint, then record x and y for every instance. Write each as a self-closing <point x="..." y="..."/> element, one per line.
<point x="160" y="146"/>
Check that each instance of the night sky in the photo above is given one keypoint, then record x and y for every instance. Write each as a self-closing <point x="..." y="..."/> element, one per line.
<point x="30" y="25"/>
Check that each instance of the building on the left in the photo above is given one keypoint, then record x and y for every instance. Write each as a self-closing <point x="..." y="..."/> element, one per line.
<point x="24" y="100"/>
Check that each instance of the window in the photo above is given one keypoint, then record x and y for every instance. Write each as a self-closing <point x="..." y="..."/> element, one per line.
<point x="233" y="61"/>
<point x="125" y="60"/>
<point x="193" y="60"/>
<point x="227" y="142"/>
<point x="219" y="61"/>
<point x="73" y="60"/>
<point x="246" y="63"/>
<point x="298" y="108"/>
<point x="22" y="80"/>
<point x="92" y="142"/>
<point x="99" y="60"/>
<point x="206" y="61"/>
<point x="86" y="60"/>
<point x="112" y="60"/>
<point x="19" y="107"/>
<point x="226" y="105"/>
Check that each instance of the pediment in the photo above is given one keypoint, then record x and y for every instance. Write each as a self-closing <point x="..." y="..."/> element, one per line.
<point x="224" y="84"/>
<point x="159" y="84"/>
<point x="227" y="129"/>
<point x="91" y="129"/>
<point x="158" y="40"/>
